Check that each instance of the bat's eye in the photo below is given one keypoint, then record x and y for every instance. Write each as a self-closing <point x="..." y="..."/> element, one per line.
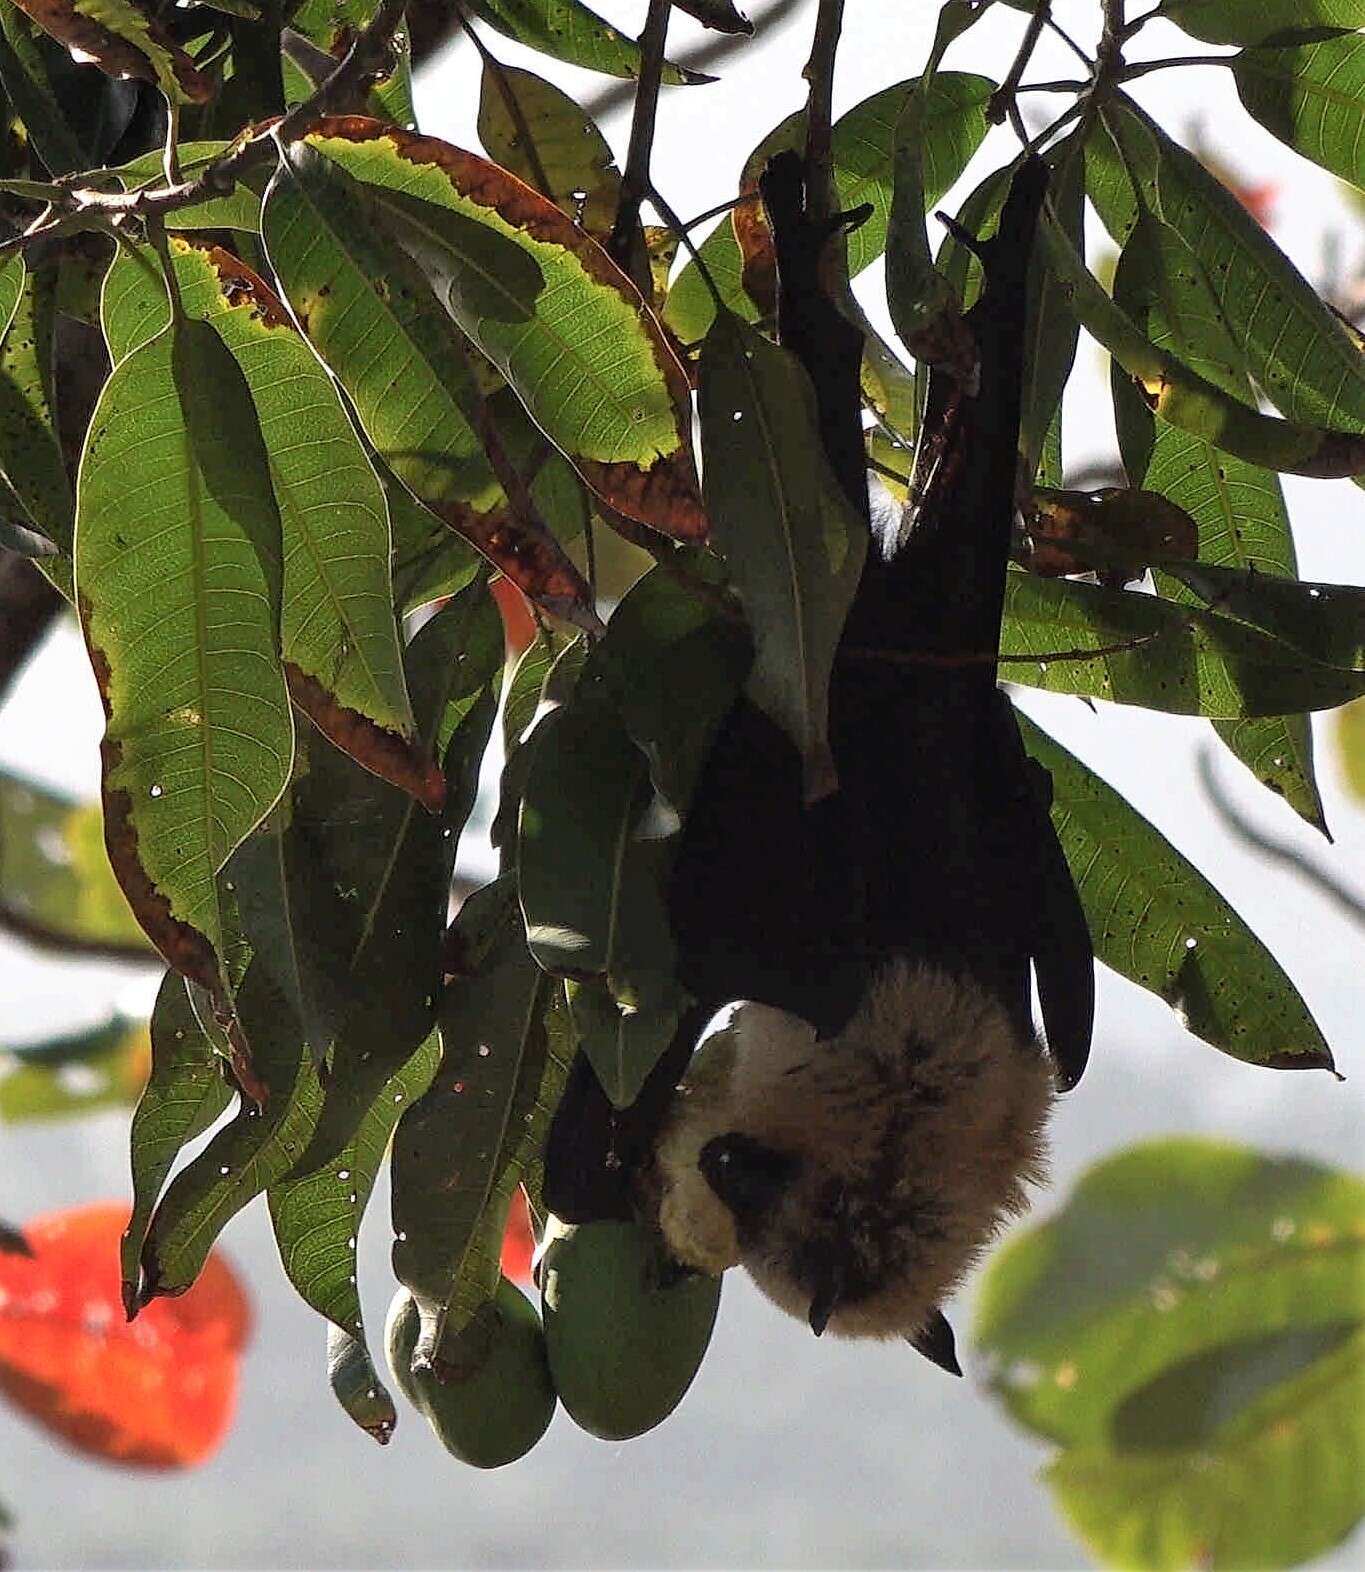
<point x="747" y="1175"/>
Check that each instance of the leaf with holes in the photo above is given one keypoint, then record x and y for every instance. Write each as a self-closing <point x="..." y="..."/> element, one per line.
<point x="568" y="31"/>
<point x="1172" y="1250"/>
<point x="1157" y="921"/>
<point x="178" y="581"/>
<point x="376" y="325"/>
<point x="30" y="458"/>
<point x="547" y="306"/>
<point x="123" y="41"/>
<point x="338" y="634"/>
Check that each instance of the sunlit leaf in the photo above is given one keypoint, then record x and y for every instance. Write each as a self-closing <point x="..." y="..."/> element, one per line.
<point x="793" y="543"/>
<point x="178" y="575"/>
<point x="30" y="458"/>
<point x="123" y="41"/>
<point x="1311" y="96"/>
<point x="547" y="306"/>
<point x="240" y="209"/>
<point x="1235" y="22"/>
<point x="160" y="1394"/>
<point x="569" y="31"/>
<point x="1157" y="921"/>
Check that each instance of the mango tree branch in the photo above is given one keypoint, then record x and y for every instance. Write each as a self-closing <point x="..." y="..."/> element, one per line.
<point x="635" y="177"/>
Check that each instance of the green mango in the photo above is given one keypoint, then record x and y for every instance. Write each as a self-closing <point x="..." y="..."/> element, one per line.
<point x="625" y="1335"/>
<point x="497" y="1399"/>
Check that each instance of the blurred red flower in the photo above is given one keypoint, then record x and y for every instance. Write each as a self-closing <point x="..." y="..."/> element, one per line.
<point x="518" y="1242"/>
<point x="159" y="1392"/>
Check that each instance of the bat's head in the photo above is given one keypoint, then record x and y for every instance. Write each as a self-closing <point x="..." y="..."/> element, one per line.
<point x="856" y="1178"/>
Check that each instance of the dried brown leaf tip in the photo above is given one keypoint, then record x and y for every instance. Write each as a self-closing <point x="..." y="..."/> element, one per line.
<point x="136" y="45"/>
<point x="241" y="286"/>
<point x="530" y="557"/>
<point x="1117" y="533"/>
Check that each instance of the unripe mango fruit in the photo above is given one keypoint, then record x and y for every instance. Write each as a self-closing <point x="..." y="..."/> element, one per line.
<point x="498" y="1410"/>
<point x="625" y="1334"/>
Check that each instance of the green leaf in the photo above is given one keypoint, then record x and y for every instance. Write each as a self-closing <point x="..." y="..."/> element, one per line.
<point x="27" y="80"/>
<point x="356" y="1385"/>
<point x="952" y="123"/>
<point x="1172" y="1249"/>
<point x="338" y="634"/>
<point x="545" y="138"/>
<point x="1278" y="1485"/>
<point x="178" y="579"/>
<point x="100" y="1068"/>
<point x="1323" y="622"/>
<point x="1238" y="506"/>
<point x="792" y="540"/>
<point x="332" y="25"/>
<point x="13" y="276"/>
<point x="30" y="457"/>
<point x="239" y="209"/>
<point x="430" y="561"/>
<point x="54" y="874"/>
<point x="1157" y="921"/>
<point x="1311" y="96"/>
<point x="123" y="41"/>
<point x="461" y="1151"/>
<point x="1300" y="355"/>
<point x="397" y="355"/>
<point x="185" y="1093"/>
<point x="544" y="302"/>
<point x="1236" y="22"/>
<point x="567" y="30"/>
<point x="1052" y="332"/>
<point x="260" y="1144"/>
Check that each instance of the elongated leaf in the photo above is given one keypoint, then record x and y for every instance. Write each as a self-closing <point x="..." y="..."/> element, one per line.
<point x="30" y="458"/>
<point x="338" y="634"/>
<point x="429" y="559"/>
<point x="1157" y="921"/>
<point x="1324" y="622"/>
<point x="178" y="576"/>
<point x="240" y="209"/>
<point x="123" y="41"/>
<point x="400" y="361"/>
<point x="461" y="1151"/>
<point x="101" y="1068"/>
<point x="1234" y="22"/>
<point x="1311" y="96"/>
<point x="13" y="276"/>
<point x="1052" y="331"/>
<point x="1238" y="506"/>
<point x="332" y="25"/>
<point x="316" y="1213"/>
<point x="186" y="1092"/>
<point x="952" y="124"/>
<point x="542" y="135"/>
<point x="1299" y="353"/>
<point x="548" y="307"/>
<point x="792" y="540"/>
<point x="246" y="1156"/>
<point x="1172" y="1249"/>
<point x="54" y="874"/>
<point x="26" y="79"/>
<point x="569" y="31"/>
<point x="1277" y="1485"/>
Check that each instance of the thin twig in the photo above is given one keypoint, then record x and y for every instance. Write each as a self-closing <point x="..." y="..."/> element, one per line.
<point x="635" y="182"/>
<point x="1055" y="26"/>
<point x="821" y="194"/>
<point x="1002" y="99"/>
<point x="1272" y="847"/>
<point x="80" y="205"/>
<point x="677" y="227"/>
<point x="728" y="206"/>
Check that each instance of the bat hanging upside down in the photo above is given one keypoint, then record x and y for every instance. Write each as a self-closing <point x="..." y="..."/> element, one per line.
<point x="859" y="1127"/>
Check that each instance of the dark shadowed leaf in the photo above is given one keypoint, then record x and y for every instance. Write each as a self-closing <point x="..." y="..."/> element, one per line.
<point x="1311" y="96"/>
<point x="30" y="459"/>
<point x="402" y="363"/>
<point x="185" y="1093"/>
<point x="1157" y="921"/>
<point x="178" y="573"/>
<point x="547" y="306"/>
<point x="793" y="543"/>
<point x="55" y="874"/>
<point x="1324" y="622"/>
<point x="123" y="41"/>
<point x="569" y="31"/>
<point x="1163" y="656"/>
<point x="25" y="72"/>
<point x="1170" y="1250"/>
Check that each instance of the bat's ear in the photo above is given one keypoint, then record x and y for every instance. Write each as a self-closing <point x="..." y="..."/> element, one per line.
<point x="936" y="1342"/>
<point x="826" y="1299"/>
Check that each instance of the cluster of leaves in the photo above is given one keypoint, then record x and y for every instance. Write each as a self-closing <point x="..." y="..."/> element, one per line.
<point x="353" y="370"/>
<point x="1189" y="1329"/>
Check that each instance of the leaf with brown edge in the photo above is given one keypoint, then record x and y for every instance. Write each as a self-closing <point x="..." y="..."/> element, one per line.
<point x="338" y="633"/>
<point x="549" y="308"/>
<point x="178" y="587"/>
<point x="372" y="319"/>
<point x="123" y="41"/>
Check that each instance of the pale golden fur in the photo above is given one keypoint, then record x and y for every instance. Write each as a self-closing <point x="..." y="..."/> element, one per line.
<point x="917" y="1128"/>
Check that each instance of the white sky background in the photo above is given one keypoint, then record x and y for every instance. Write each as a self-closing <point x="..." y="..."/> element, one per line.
<point x="787" y="1451"/>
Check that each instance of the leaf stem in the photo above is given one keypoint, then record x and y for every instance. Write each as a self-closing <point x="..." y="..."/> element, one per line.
<point x="1002" y="100"/>
<point x="635" y="181"/>
<point x="1130" y="73"/>
<point x="494" y="67"/>
<point x="680" y="230"/>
